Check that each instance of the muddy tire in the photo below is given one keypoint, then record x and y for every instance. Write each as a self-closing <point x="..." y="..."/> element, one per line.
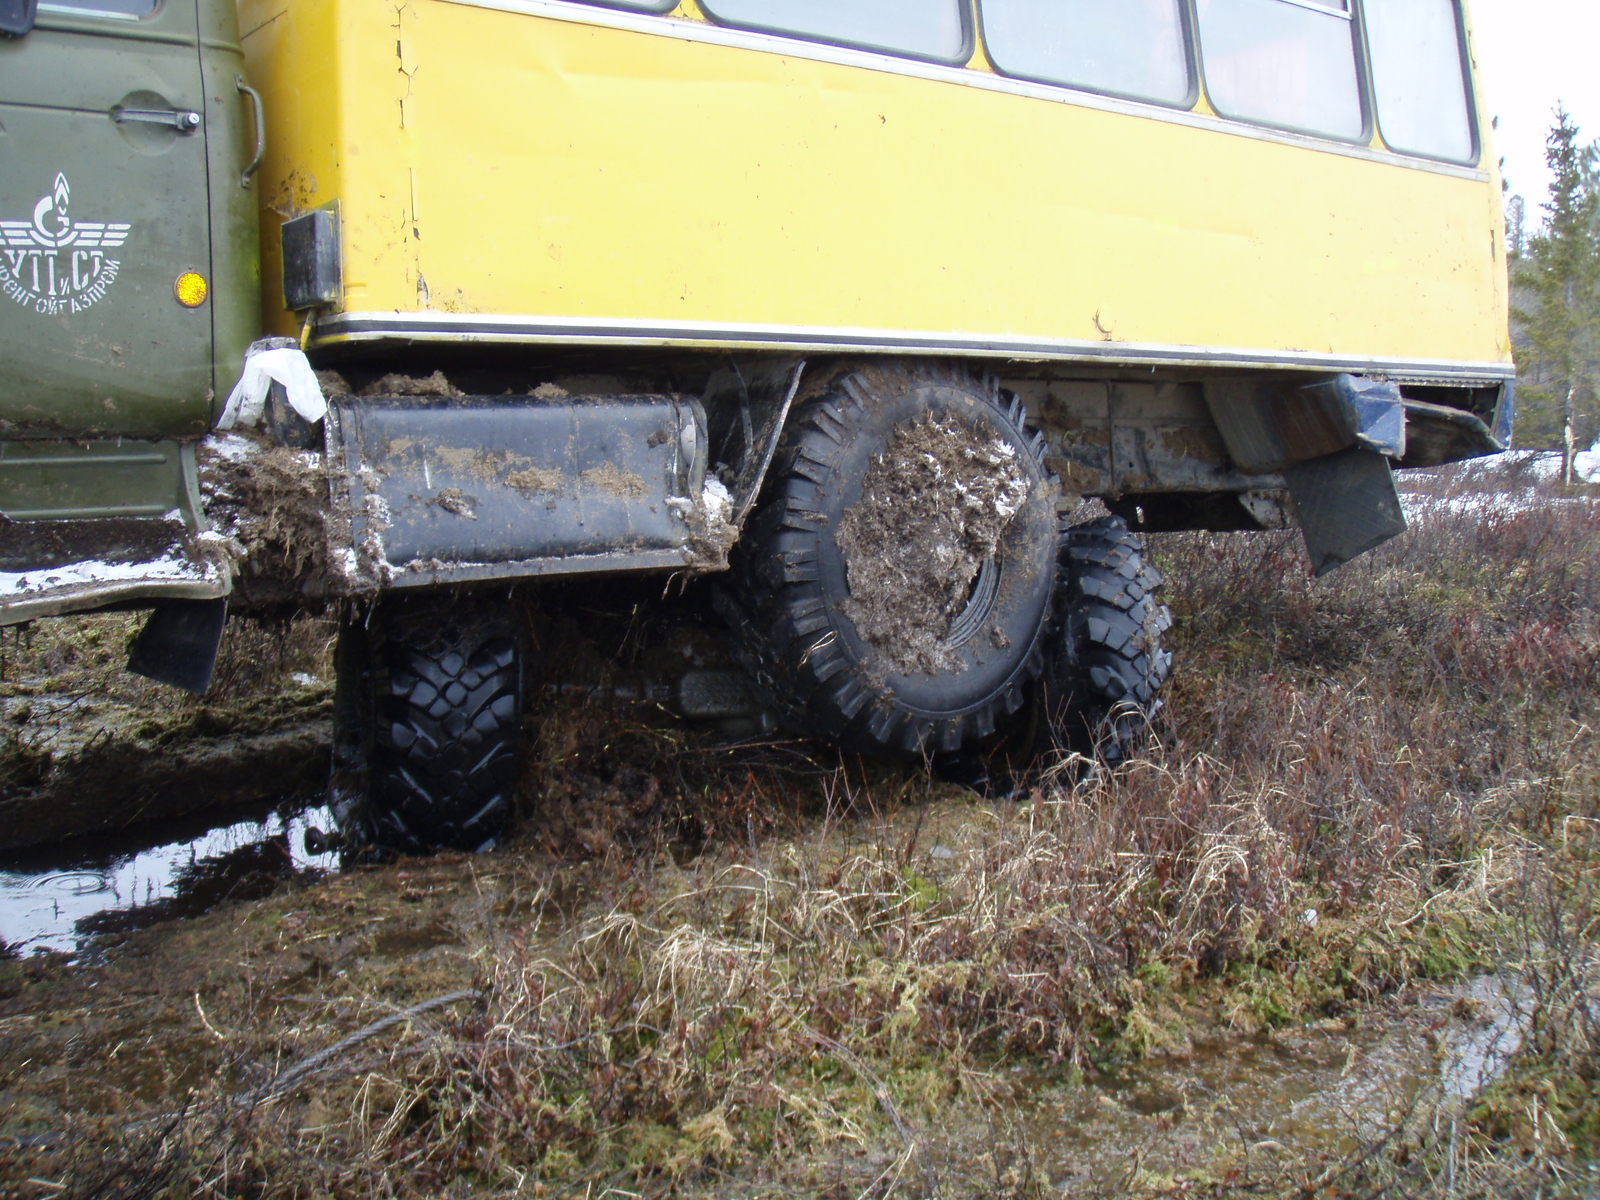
<point x="825" y="627"/>
<point x="427" y="717"/>
<point x="1106" y="665"/>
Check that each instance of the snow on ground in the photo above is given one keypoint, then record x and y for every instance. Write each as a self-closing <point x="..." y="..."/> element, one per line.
<point x="1510" y="482"/>
<point x="1587" y="463"/>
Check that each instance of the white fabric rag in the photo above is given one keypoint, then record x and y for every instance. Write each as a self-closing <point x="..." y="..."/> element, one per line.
<point x="287" y="366"/>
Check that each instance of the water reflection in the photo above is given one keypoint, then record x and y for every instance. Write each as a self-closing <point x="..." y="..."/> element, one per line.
<point x="63" y="897"/>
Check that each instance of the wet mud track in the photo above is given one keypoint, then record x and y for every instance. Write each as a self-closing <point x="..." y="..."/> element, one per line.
<point x="85" y="746"/>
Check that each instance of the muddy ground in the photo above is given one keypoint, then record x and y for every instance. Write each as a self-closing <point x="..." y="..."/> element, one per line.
<point x="712" y="968"/>
<point x="84" y="745"/>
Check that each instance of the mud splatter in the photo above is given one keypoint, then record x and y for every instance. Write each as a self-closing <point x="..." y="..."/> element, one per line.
<point x="452" y="501"/>
<point x="332" y="384"/>
<point x="270" y="514"/>
<point x="712" y="531"/>
<point x="413" y="385"/>
<point x="535" y="479"/>
<point x="480" y="464"/>
<point x="628" y="485"/>
<point x="933" y="508"/>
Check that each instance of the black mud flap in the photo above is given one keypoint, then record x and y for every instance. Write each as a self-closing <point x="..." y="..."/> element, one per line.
<point x="1347" y="505"/>
<point x="179" y="642"/>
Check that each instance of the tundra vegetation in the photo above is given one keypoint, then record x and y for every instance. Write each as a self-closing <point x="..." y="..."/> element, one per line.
<point x="703" y="970"/>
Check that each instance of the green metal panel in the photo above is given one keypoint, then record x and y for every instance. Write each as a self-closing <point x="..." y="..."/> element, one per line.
<point x="99" y="216"/>
<point x="49" y="480"/>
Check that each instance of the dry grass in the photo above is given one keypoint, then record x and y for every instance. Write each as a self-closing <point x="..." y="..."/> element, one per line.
<point x="1387" y="776"/>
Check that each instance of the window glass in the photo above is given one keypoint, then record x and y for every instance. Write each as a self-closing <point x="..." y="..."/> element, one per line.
<point x="1130" y="47"/>
<point x="1417" y="75"/>
<point x="99" y="8"/>
<point x="924" y="28"/>
<point x="1282" y="62"/>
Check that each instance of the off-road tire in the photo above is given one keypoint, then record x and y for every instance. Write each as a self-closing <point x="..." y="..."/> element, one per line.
<point x="432" y="722"/>
<point x="789" y="576"/>
<point x="1105" y="666"/>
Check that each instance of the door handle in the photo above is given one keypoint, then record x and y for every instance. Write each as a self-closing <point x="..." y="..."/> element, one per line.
<point x="181" y="119"/>
<point x="258" y="111"/>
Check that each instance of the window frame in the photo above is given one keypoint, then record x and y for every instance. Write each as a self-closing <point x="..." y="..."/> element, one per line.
<point x="1469" y="86"/>
<point x="1364" y="94"/>
<point x="1187" y="29"/>
<point x="56" y="9"/>
<point x="963" y="56"/>
<point x="654" y="8"/>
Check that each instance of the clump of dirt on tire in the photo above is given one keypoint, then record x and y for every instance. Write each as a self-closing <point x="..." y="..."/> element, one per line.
<point x="933" y="507"/>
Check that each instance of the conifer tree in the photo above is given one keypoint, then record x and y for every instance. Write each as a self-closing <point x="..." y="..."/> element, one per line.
<point x="1559" y="364"/>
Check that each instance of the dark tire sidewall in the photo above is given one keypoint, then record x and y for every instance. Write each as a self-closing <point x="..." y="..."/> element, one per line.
<point x="833" y="443"/>
<point x="1024" y="593"/>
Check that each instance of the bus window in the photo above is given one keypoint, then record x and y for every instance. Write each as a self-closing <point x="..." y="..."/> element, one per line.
<point x="1283" y="62"/>
<point x="1417" y="75"/>
<point x="922" y="28"/>
<point x="1132" y="48"/>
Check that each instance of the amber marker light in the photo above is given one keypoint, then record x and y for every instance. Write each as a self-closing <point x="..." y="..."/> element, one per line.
<point x="190" y="289"/>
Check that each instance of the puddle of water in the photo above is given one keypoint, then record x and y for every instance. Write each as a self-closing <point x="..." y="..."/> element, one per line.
<point x="63" y="897"/>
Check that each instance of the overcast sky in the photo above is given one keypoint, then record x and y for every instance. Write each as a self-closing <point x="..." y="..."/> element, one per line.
<point x="1533" y="53"/>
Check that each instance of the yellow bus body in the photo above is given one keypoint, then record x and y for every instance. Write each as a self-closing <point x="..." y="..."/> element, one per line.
<point x="532" y="170"/>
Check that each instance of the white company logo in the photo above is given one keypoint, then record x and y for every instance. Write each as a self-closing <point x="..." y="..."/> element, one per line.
<point x="53" y="264"/>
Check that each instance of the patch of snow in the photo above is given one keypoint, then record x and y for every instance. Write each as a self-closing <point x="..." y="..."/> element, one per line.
<point x="92" y="573"/>
<point x="1586" y="463"/>
<point x="1518" y="468"/>
<point x="1483" y="504"/>
<point x="716" y="498"/>
<point x="233" y="447"/>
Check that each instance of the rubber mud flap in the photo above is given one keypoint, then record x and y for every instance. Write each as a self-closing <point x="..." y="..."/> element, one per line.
<point x="1347" y="505"/>
<point x="179" y="642"/>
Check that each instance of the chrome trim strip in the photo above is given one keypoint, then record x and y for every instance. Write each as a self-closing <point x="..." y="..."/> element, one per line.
<point x="717" y="35"/>
<point x="415" y="575"/>
<point x="344" y="328"/>
<point x="73" y="10"/>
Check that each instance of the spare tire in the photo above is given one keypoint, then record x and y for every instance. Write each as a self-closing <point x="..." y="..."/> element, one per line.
<point x="891" y="590"/>
<point x="427" y="716"/>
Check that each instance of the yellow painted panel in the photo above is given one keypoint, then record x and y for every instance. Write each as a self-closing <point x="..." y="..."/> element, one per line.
<point x="498" y="163"/>
<point x="301" y="168"/>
